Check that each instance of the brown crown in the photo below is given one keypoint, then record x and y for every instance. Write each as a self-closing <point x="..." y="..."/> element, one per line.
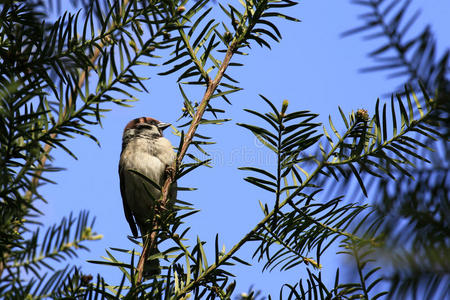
<point x="133" y="123"/>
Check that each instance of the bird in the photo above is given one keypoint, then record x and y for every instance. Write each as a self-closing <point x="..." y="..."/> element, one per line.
<point x="146" y="151"/>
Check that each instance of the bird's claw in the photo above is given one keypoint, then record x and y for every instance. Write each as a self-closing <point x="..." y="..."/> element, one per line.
<point x="170" y="172"/>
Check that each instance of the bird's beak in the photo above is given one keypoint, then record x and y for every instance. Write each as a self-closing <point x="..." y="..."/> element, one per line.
<point x="163" y="126"/>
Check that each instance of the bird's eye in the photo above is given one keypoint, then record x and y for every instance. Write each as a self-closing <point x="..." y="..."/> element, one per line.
<point x="144" y="125"/>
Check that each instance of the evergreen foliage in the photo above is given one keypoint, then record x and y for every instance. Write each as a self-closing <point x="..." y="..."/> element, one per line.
<point x="58" y="76"/>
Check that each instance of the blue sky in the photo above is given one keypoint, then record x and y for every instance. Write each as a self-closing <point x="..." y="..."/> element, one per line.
<point x="313" y="67"/>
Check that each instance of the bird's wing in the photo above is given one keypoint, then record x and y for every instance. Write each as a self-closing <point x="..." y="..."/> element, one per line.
<point x="126" y="208"/>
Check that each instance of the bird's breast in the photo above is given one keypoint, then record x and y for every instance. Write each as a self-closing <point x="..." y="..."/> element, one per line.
<point x="147" y="157"/>
<point x="150" y="158"/>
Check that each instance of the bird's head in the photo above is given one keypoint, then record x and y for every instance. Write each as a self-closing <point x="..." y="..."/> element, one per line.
<point x="144" y="127"/>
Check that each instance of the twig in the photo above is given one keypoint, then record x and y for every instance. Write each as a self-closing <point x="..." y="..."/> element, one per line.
<point x="211" y="87"/>
<point x="262" y="223"/>
<point x="149" y="243"/>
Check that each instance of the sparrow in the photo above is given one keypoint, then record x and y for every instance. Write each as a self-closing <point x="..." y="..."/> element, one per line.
<point x="145" y="150"/>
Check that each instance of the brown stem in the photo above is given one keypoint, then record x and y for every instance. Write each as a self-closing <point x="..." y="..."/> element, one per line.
<point x="211" y="87"/>
<point x="150" y="243"/>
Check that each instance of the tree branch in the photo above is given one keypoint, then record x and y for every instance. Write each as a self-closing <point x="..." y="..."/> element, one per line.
<point x="47" y="148"/>
<point x="263" y="222"/>
<point x="211" y="87"/>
